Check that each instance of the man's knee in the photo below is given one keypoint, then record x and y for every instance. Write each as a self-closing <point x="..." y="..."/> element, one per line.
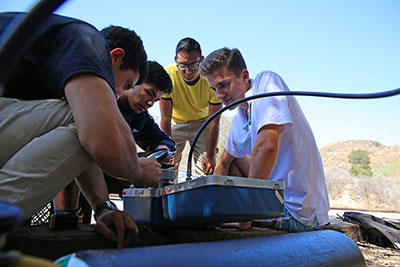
<point x="240" y="167"/>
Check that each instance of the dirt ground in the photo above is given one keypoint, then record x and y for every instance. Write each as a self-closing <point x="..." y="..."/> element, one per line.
<point x="378" y="256"/>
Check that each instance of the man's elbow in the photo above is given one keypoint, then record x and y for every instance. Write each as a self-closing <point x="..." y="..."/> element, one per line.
<point x="101" y="151"/>
<point x="266" y="149"/>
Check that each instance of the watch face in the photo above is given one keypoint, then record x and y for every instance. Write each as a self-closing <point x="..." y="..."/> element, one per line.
<point x="111" y="205"/>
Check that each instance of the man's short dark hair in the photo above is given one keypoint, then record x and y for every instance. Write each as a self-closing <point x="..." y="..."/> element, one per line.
<point x="188" y="45"/>
<point x="159" y="77"/>
<point x="231" y="58"/>
<point x="135" y="57"/>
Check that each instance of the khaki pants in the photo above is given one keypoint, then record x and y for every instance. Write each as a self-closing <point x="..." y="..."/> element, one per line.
<point x="40" y="152"/>
<point x="183" y="133"/>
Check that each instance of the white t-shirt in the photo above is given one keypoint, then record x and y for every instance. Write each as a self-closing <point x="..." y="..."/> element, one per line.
<point x="298" y="162"/>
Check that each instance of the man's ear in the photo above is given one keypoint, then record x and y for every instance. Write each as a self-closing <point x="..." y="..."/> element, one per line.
<point x="201" y="59"/>
<point x="117" y="54"/>
<point x="245" y="74"/>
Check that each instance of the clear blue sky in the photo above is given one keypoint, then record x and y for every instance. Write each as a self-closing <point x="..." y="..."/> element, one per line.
<point x="348" y="46"/>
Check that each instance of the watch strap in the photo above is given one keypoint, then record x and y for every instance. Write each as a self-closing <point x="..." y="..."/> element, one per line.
<point x="105" y="205"/>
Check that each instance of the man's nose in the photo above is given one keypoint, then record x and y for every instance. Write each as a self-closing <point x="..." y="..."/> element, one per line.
<point x="150" y="103"/>
<point x="189" y="70"/>
<point x="219" y="94"/>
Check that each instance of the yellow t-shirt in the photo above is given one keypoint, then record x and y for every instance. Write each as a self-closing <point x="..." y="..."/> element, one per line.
<point x="190" y="103"/>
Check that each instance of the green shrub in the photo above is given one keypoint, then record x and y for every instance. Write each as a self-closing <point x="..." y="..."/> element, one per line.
<point x="363" y="170"/>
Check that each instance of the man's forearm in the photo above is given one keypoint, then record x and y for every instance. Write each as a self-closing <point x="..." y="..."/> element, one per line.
<point x="261" y="165"/>
<point x="264" y="152"/>
<point x="165" y="125"/>
<point x="213" y="130"/>
<point x="213" y="138"/>
<point x="166" y="107"/>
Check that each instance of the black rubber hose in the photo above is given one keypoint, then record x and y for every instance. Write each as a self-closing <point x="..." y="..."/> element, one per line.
<point x="301" y="93"/>
<point x="19" y="35"/>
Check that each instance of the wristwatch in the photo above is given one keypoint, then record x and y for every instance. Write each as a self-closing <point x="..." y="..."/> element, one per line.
<point x="106" y="205"/>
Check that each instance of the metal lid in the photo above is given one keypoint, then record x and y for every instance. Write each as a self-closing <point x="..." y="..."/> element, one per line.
<point x="141" y="192"/>
<point x="223" y="181"/>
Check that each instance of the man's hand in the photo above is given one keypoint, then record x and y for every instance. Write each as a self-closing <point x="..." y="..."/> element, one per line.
<point x="117" y="226"/>
<point x="208" y="165"/>
<point x="151" y="172"/>
<point x="170" y="157"/>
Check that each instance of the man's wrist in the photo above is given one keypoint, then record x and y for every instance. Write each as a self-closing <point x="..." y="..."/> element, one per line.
<point x="99" y="209"/>
<point x="210" y="155"/>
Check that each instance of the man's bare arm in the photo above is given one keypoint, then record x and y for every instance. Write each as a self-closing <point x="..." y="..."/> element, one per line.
<point x="264" y="152"/>
<point x="209" y="161"/>
<point x="101" y="128"/>
<point x="166" y="115"/>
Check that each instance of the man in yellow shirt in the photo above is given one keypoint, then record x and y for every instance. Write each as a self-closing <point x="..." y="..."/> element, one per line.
<point x="189" y="105"/>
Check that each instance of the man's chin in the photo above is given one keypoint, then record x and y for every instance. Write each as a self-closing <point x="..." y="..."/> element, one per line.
<point x="230" y="102"/>
<point x="232" y="108"/>
<point x="189" y="79"/>
<point x="136" y="111"/>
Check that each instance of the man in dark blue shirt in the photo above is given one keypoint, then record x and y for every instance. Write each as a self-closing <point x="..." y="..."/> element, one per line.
<point x="134" y="103"/>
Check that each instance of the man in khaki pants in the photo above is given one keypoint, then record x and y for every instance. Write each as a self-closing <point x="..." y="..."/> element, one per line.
<point x="189" y="105"/>
<point x="59" y="119"/>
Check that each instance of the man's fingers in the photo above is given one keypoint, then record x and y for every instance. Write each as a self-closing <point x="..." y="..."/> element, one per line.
<point x="102" y="229"/>
<point x="204" y="165"/>
<point x="119" y="225"/>
<point x="131" y="238"/>
<point x="131" y="230"/>
<point x="207" y="168"/>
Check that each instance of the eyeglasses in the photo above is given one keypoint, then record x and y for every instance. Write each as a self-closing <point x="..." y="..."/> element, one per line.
<point x="191" y="66"/>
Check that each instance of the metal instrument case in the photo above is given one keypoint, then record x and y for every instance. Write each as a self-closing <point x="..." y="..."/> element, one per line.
<point x="214" y="199"/>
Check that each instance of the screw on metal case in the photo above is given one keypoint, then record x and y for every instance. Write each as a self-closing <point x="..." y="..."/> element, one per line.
<point x="228" y="181"/>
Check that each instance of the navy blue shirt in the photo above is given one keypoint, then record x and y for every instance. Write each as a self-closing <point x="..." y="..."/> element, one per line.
<point x="64" y="47"/>
<point x="145" y="130"/>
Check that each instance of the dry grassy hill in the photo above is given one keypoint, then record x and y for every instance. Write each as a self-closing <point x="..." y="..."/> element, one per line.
<point x="379" y="192"/>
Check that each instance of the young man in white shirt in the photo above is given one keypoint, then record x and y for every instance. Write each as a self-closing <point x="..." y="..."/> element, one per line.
<point x="270" y="139"/>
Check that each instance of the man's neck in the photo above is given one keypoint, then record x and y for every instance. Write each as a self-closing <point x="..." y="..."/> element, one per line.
<point x="249" y="85"/>
<point x="245" y="105"/>
<point x="124" y="102"/>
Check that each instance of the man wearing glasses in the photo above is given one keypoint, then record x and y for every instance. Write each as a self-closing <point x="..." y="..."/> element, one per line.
<point x="190" y="104"/>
